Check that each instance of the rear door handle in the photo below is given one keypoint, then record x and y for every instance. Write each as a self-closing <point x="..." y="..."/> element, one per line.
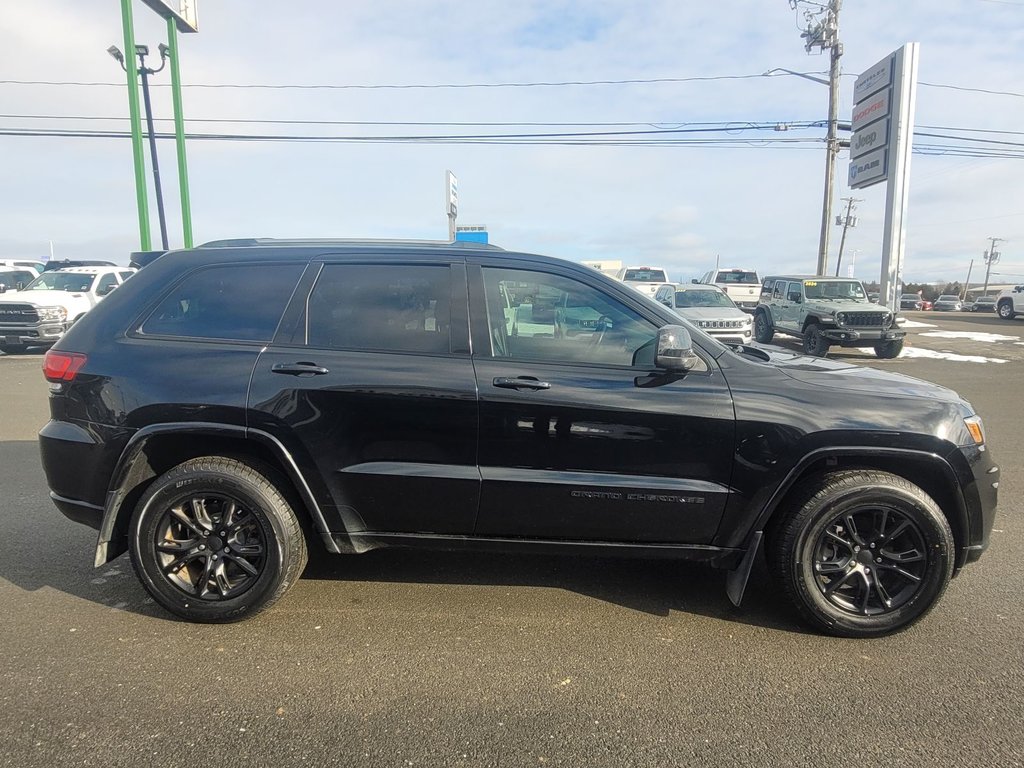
<point x="522" y="382"/>
<point x="299" y="369"/>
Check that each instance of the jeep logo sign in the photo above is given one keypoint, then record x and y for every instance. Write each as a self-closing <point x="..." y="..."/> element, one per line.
<point x="874" y="136"/>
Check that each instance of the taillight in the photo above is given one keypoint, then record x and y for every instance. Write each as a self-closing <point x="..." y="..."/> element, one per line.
<point x="62" y="366"/>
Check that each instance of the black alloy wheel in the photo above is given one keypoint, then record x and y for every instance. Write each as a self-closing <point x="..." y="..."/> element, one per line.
<point x="763" y="330"/>
<point x="815" y="344"/>
<point x="888" y="350"/>
<point x="870" y="560"/>
<point x="861" y="553"/>
<point x="211" y="547"/>
<point x="214" y="539"/>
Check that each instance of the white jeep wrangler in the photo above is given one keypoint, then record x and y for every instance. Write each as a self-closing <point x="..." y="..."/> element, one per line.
<point x="1010" y="302"/>
<point x="39" y="313"/>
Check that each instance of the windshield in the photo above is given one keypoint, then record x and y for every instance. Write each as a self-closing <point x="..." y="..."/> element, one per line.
<point x="833" y="289"/>
<point x="910" y="296"/>
<point x="702" y="299"/>
<point x="646" y="275"/>
<point x="737" y="276"/>
<point x="61" y="281"/>
<point x="949" y="298"/>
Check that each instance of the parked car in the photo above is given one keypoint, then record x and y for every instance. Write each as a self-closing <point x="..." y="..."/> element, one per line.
<point x="69" y="263"/>
<point x="947" y="303"/>
<point x="647" y="280"/>
<point x="43" y="310"/>
<point x="710" y="309"/>
<point x="874" y="297"/>
<point x="926" y="305"/>
<point x="231" y="403"/>
<point x="984" y="304"/>
<point x="12" y="279"/>
<point x="1010" y="302"/>
<point x="36" y="267"/>
<point x="910" y="301"/>
<point x="742" y="285"/>
<point x="823" y="311"/>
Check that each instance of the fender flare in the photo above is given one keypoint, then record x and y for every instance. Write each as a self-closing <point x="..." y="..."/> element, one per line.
<point x="107" y="548"/>
<point x="961" y="520"/>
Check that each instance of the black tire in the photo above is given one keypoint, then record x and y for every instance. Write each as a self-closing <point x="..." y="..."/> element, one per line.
<point x="888" y="350"/>
<point x="764" y="332"/>
<point x="862" y="553"/>
<point x="215" y="540"/>
<point x="1005" y="310"/>
<point x="815" y="344"/>
<point x="13" y="349"/>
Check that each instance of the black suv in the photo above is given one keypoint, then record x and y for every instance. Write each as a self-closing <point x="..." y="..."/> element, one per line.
<point x="234" y="404"/>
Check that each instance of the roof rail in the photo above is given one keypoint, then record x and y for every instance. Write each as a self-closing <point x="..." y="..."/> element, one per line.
<point x="255" y="242"/>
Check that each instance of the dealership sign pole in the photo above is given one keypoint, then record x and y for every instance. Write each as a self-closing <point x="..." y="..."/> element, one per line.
<point x="883" y="131"/>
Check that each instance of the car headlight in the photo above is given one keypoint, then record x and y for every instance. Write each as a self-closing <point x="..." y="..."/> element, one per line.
<point x="53" y="314"/>
<point x="841" y="318"/>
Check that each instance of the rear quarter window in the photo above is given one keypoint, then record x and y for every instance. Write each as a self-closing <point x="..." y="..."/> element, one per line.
<point x="242" y="302"/>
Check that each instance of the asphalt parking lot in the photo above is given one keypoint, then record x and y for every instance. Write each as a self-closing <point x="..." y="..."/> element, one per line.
<point x="396" y="658"/>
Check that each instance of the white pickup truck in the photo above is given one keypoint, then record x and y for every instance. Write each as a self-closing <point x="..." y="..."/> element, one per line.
<point x="39" y="314"/>
<point x="742" y="285"/>
<point x="1010" y="302"/>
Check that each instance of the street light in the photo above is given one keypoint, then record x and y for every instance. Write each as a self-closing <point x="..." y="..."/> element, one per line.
<point x="142" y="51"/>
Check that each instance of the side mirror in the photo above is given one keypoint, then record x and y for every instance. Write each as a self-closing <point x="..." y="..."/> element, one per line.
<point x="695" y="281"/>
<point x="20" y="287"/>
<point x="674" y="349"/>
<point x="3" y="288"/>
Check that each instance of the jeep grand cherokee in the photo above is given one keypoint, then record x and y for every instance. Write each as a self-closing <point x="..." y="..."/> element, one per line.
<point x="234" y="403"/>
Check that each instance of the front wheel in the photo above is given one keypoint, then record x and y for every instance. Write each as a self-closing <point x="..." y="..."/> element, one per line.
<point x="214" y="540"/>
<point x="815" y="343"/>
<point x="888" y="350"/>
<point x="862" y="553"/>
<point x="1006" y="310"/>
<point x="763" y="330"/>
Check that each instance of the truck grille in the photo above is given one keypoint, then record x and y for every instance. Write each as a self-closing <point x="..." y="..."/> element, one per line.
<point x="865" y="319"/>
<point x="18" y="314"/>
<point x="720" y="323"/>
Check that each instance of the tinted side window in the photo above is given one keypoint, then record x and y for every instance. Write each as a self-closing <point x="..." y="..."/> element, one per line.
<point x="391" y="307"/>
<point x="780" y="289"/>
<point x="239" y="301"/>
<point x="106" y="284"/>
<point x="795" y="292"/>
<point x="560" y="319"/>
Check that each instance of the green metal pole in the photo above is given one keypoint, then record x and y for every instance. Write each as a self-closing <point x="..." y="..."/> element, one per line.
<point x="133" y="111"/>
<point x="179" y="132"/>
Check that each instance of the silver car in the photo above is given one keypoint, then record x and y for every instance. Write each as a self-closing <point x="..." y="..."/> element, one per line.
<point x="709" y="308"/>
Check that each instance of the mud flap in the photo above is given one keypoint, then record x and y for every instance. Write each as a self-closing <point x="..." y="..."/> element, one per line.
<point x="736" y="583"/>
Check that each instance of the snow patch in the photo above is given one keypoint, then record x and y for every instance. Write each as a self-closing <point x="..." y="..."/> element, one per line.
<point x="914" y="324"/>
<point x="933" y="355"/>
<point x="989" y="338"/>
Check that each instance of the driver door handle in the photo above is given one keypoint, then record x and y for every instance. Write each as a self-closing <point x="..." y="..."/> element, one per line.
<point x="522" y="382"/>
<point x="299" y="369"/>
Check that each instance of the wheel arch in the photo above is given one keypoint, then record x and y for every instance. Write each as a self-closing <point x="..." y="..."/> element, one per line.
<point x="918" y="467"/>
<point x="156" y="448"/>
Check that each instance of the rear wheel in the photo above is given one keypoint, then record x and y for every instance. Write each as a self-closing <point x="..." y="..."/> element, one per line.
<point x="887" y="350"/>
<point x="214" y="540"/>
<point x="862" y="553"/>
<point x="1006" y="310"/>
<point x="815" y="344"/>
<point x="763" y="330"/>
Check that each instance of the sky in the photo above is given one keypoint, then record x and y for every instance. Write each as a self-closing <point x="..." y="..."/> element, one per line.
<point x="683" y="206"/>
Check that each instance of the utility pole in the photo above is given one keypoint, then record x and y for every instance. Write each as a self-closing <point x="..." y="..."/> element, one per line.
<point x="846" y="221"/>
<point x="823" y="33"/>
<point x="967" y="282"/>
<point x="991" y="257"/>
